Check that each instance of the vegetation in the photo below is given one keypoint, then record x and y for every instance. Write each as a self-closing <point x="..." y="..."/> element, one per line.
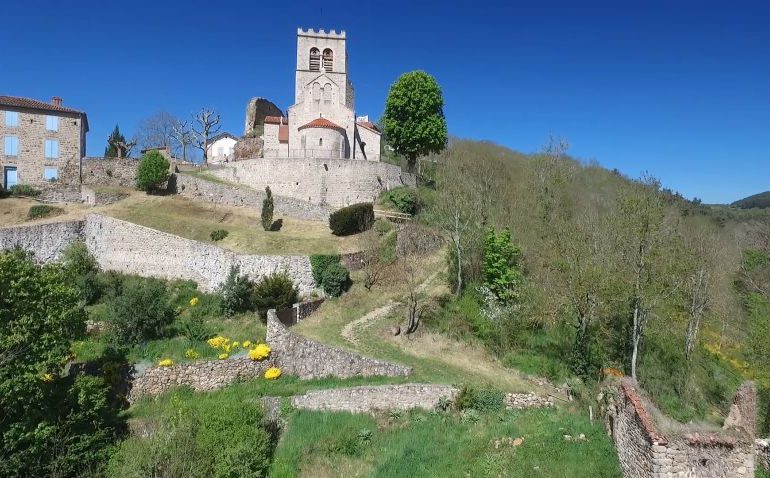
<point x="761" y="200"/>
<point x="117" y="146"/>
<point x="235" y="292"/>
<point x="335" y="280"/>
<point x="219" y="234"/>
<point x="403" y="199"/>
<point x="267" y="210"/>
<point x="25" y="190"/>
<point x="275" y="291"/>
<point x="414" y="116"/>
<point x="352" y="219"/>
<point x="152" y="172"/>
<point x="319" y="263"/>
<point x="40" y="211"/>
<point x="141" y="312"/>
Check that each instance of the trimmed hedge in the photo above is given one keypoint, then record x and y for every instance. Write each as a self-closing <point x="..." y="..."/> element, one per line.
<point x="336" y="280"/>
<point x="319" y="263"/>
<point x="352" y="219"/>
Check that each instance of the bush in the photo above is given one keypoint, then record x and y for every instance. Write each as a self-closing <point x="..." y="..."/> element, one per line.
<point x="24" y="190"/>
<point x="219" y="234"/>
<point x="335" y="280"/>
<point x="319" y="263"/>
<point x="235" y="292"/>
<point x="142" y="312"/>
<point x="404" y="199"/>
<point x="352" y="219"/>
<point x="267" y="210"/>
<point x="482" y="400"/>
<point x="194" y="326"/>
<point x="152" y="171"/>
<point x="43" y="210"/>
<point x="275" y="291"/>
<point x="82" y="265"/>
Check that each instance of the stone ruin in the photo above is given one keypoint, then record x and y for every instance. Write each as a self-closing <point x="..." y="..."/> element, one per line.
<point x="687" y="451"/>
<point x="256" y="111"/>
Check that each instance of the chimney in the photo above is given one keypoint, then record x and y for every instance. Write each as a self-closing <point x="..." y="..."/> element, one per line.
<point x="56" y="101"/>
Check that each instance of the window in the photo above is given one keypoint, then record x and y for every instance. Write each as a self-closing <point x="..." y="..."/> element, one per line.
<point x="52" y="123"/>
<point x="317" y="92"/>
<point x="320" y="141"/>
<point x="328" y="59"/>
<point x="51" y="149"/>
<point x="51" y="174"/>
<point x="315" y="59"/>
<point x="327" y="91"/>
<point x="11" y="146"/>
<point x="11" y="119"/>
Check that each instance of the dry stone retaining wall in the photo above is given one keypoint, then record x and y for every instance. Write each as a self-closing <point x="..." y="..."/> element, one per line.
<point x="763" y="453"/>
<point x="307" y="359"/>
<point x="46" y="241"/>
<point x="645" y="452"/>
<point x="218" y="193"/>
<point x="520" y="401"/>
<point x="336" y="182"/>
<point x="109" y="172"/>
<point x="378" y="397"/>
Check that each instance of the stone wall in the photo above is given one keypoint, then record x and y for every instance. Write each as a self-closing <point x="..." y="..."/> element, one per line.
<point x="202" y="375"/>
<point x="132" y="249"/>
<point x="46" y="241"/>
<point x="298" y="312"/>
<point x="379" y="397"/>
<point x="109" y="172"/>
<point x="218" y="193"/>
<point x="763" y="453"/>
<point x="336" y="182"/>
<point x="644" y="451"/>
<point x="306" y="358"/>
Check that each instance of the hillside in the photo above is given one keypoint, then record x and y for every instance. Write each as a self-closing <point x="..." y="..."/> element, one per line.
<point x="761" y="200"/>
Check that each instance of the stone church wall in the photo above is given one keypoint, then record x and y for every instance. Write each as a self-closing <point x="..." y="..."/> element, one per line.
<point x="645" y="452"/>
<point x="333" y="182"/>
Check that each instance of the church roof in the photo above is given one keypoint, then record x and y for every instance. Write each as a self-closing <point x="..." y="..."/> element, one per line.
<point x="369" y="125"/>
<point x="276" y="120"/>
<point x="322" y="123"/>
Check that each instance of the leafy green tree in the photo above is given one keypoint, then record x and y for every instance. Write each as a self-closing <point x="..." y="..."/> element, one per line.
<point x="143" y="311"/>
<point x="84" y="269"/>
<point x="267" y="210"/>
<point x="502" y="272"/>
<point x="152" y="171"/>
<point x="52" y="424"/>
<point x="414" y="116"/>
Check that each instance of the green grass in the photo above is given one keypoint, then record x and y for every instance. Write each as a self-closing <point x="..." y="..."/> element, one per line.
<point x="40" y="211"/>
<point x="428" y="444"/>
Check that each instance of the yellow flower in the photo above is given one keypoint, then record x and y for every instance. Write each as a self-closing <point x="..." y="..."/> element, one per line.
<point x="260" y="352"/>
<point x="191" y="354"/>
<point x="47" y="378"/>
<point x="246" y="344"/>
<point x="166" y="362"/>
<point x="235" y="345"/>
<point x="218" y="341"/>
<point x="223" y="356"/>
<point x="272" y="373"/>
<point x="193" y="302"/>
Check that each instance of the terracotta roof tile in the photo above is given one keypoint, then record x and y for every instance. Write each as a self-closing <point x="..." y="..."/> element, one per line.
<point x="322" y="123"/>
<point x="34" y="104"/>
<point x="276" y="119"/>
<point x="370" y="126"/>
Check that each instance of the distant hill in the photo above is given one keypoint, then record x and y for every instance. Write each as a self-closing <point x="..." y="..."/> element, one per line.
<point x="761" y="200"/>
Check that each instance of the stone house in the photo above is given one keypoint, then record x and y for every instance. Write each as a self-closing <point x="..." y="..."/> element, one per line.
<point x="39" y="139"/>
<point x="322" y="122"/>
<point x="221" y="148"/>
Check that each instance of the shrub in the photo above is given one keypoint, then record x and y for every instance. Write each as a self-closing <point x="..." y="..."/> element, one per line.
<point x="235" y="292"/>
<point x="275" y="291"/>
<point x="335" y="280"/>
<point x="352" y="219"/>
<point x="267" y="210"/>
<point x="24" y="190"/>
<point x="152" y="171"/>
<point x="482" y="400"/>
<point x="404" y="199"/>
<point x="219" y="234"/>
<point x="43" y="210"/>
<point x="319" y="263"/>
<point x="194" y="326"/>
<point x="142" y="312"/>
<point x="82" y="265"/>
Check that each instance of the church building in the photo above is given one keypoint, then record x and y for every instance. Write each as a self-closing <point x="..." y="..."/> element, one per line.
<point x="322" y="123"/>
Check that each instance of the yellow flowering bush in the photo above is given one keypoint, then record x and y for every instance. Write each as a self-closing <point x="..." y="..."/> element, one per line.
<point x="260" y="352"/>
<point x="218" y="341"/>
<point x="166" y="362"/>
<point x="191" y="354"/>
<point x="272" y="373"/>
<point x="193" y="302"/>
<point x="223" y="356"/>
<point x="47" y="378"/>
<point x="246" y="344"/>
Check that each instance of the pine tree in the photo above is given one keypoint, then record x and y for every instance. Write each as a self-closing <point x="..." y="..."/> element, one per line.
<point x="115" y="141"/>
<point x="267" y="210"/>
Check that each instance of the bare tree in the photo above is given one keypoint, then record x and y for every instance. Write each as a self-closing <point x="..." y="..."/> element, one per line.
<point x="416" y="303"/>
<point x="374" y="260"/>
<point x="122" y="147"/>
<point x="206" y="123"/>
<point x="703" y="249"/>
<point x="157" y="131"/>
<point x="183" y="135"/>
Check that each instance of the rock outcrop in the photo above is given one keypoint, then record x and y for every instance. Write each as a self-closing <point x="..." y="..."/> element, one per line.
<point x="256" y="111"/>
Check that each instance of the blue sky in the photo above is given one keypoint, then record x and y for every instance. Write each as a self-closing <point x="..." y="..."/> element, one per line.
<point x="679" y="89"/>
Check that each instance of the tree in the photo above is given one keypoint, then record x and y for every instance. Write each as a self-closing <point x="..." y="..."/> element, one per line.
<point x="409" y="270"/>
<point x="275" y="291"/>
<point x="414" y="116"/>
<point x="502" y="273"/>
<point x="183" y="135"/>
<point x="152" y="171"/>
<point x="157" y="131"/>
<point x="53" y="424"/>
<point x="267" y="210"/>
<point x="117" y="146"/>
<point x="206" y="124"/>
